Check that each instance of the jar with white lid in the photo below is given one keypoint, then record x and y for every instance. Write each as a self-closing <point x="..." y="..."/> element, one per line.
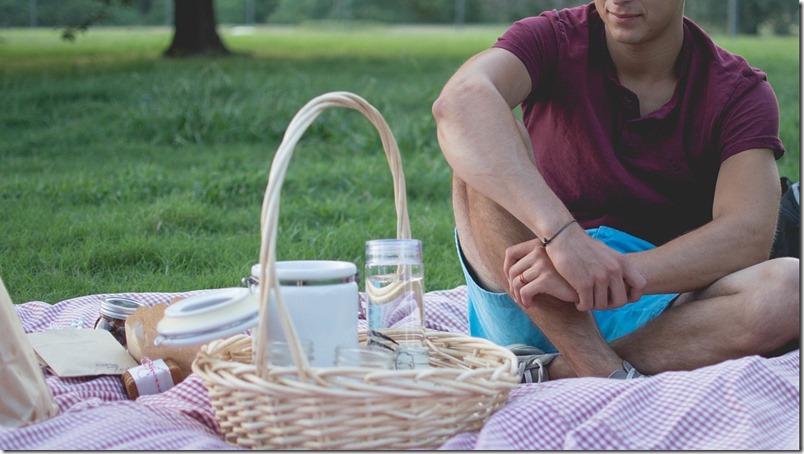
<point x="322" y="300"/>
<point x="206" y="316"/>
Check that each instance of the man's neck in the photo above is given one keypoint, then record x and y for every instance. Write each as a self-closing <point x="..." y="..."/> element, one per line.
<point x="648" y="62"/>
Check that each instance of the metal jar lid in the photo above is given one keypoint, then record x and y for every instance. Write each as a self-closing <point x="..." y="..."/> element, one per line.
<point x="119" y="307"/>
<point x="394" y="252"/>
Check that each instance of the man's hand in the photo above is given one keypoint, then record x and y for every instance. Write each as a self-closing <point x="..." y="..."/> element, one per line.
<point x="575" y="268"/>
<point x="603" y="277"/>
<point x="531" y="273"/>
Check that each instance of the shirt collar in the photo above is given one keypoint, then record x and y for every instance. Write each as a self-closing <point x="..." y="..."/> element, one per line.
<point x="600" y="52"/>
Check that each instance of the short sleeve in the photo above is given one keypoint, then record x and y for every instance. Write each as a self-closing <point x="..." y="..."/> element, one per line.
<point x="751" y="121"/>
<point x="533" y="40"/>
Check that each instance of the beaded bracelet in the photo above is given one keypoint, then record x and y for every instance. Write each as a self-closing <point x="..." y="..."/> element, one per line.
<point x="546" y="241"/>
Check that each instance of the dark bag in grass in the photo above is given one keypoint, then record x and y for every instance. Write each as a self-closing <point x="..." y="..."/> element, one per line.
<point x="787" y="242"/>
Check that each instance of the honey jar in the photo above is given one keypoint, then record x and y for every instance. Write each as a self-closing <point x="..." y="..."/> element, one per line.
<point x="113" y="314"/>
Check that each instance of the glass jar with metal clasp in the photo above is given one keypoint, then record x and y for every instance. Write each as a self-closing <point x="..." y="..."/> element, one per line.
<point x="321" y="298"/>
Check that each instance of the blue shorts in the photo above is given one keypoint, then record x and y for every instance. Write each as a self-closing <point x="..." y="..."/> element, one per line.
<point x="495" y="316"/>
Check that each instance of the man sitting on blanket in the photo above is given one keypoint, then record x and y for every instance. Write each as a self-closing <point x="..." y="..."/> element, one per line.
<point x="638" y="131"/>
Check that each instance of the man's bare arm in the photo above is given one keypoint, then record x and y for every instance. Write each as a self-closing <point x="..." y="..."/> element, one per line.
<point x="740" y="234"/>
<point x="480" y="139"/>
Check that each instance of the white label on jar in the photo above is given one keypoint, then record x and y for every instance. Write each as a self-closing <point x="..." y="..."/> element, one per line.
<point x="153" y="377"/>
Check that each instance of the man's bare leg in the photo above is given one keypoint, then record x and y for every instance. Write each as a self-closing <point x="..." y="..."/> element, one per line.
<point x="485" y="230"/>
<point x="754" y="311"/>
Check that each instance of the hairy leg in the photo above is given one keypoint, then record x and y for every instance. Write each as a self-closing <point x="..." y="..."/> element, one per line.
<point x="754" y="311"/>
<point x="485" y="230"/>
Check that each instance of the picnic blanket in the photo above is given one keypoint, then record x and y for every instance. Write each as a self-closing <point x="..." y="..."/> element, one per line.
<point x="751" y="403"/>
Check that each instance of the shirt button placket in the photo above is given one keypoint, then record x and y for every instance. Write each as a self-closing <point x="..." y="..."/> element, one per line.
<point x="630" y="106"/>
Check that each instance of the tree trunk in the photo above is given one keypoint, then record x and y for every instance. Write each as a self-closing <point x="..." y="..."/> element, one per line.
<point x="195" y="30"/>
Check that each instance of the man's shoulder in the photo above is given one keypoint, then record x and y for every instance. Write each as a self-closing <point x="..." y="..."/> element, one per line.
<point x="723" y="67"/>
<point x="730" y="96"/>
<point x="564" y="20"/>
<point x="575" y="16"/>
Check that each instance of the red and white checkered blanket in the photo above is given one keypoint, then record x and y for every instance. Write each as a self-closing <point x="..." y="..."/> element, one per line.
<point x="749" y="404"/>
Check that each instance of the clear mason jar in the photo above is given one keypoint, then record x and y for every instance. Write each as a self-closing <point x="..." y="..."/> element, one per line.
<point x="394" y="286"/>
<point x="280" y="354"/>
<point x="373" y="358"/>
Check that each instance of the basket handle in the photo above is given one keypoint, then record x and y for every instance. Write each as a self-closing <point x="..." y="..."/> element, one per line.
<point x="270" y="212"/>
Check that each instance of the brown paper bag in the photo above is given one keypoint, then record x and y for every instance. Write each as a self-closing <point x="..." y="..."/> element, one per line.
<point x="72" y="352"/>
<point x="25" y="398"/>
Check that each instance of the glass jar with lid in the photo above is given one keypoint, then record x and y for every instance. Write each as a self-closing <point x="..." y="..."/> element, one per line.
<point x="394" y="287"/>
<point x="113" y="314"/>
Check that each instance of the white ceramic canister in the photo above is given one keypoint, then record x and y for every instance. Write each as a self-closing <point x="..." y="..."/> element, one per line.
<point x="322" y="300"/>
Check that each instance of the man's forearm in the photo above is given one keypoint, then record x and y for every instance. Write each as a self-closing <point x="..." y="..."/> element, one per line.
<point x="740" y="235"/>
<point x="694" y="260"/>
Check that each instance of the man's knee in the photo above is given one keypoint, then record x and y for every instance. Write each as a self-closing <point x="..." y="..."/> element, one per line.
<point x="783" y="279"/>
<point x="780" y="275"/>
<point x="774" y="302"/>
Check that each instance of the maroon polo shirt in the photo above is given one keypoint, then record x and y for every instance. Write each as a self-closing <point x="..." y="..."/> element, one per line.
<point x="653" y="176"/>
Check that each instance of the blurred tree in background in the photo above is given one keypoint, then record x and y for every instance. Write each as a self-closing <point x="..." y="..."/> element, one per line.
<point x="194" y="24"/>
<point x="194" y="29"/>
<point x="780" y="17"/>
<point x="751" y="17"/>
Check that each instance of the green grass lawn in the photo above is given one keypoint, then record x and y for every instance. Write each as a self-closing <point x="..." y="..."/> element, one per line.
<point x="127" y="172"/>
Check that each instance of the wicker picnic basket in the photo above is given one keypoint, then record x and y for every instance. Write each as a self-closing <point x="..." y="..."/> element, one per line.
<point x="347" y="408"/>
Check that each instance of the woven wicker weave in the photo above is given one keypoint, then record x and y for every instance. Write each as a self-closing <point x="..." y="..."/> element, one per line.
<point x="347" y="408"/>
